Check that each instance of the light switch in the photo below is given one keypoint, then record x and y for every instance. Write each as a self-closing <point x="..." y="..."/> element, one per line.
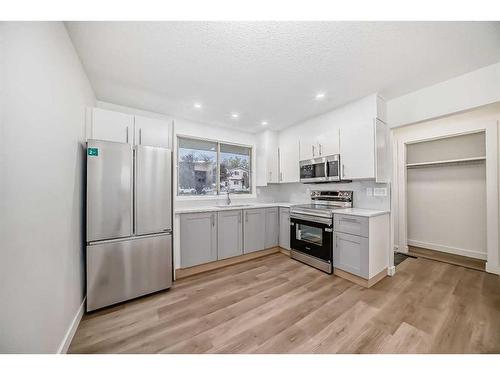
<point x="380" y="192"/>
<point x="369" y="192"/>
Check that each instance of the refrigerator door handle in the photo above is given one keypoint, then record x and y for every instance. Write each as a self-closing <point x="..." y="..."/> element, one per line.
<point x="134" y="187"/>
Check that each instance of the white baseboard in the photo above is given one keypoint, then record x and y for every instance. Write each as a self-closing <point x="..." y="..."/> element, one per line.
<point x="391" y="270"/>
<point x="448" y="249"/>
<point x="491" y="268"/>
<point x="70" y="333"/>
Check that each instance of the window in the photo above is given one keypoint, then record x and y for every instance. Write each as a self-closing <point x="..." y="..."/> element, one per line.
<point x="211" y="168"/>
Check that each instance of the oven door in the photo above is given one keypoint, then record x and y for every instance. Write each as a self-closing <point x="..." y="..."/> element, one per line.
<point x="312" y="235"/>
<point x="313" y="170"/>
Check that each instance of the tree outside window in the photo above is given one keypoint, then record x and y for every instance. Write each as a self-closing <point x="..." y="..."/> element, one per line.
<point x="198" y="172"/>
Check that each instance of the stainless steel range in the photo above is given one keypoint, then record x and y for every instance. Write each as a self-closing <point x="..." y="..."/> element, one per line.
<point x="311" y="228"/>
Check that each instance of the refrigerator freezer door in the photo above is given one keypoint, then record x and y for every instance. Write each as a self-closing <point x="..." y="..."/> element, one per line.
<point x="123" y="269"/>
<point x="109" y="190"/>
<point x="153" y="194"/>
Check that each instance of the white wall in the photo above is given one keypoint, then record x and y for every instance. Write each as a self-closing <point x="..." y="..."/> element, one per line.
<point x="447" y="208"/>
<point x="468" y="91"/>
<point x="43" y="99"/>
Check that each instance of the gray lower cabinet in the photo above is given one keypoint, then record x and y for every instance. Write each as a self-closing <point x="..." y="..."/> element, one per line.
<point x="272" y="227"/>
<point x="350" y="224"/>
<point x="198" y="238"/>
<point x="254" y="230"/>
<point x="351" y="254"/>
<point x="230" y="234"/>
<point x="284" y="236"/>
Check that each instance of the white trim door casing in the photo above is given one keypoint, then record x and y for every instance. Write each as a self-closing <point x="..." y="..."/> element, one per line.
<point x="448" y="127"/>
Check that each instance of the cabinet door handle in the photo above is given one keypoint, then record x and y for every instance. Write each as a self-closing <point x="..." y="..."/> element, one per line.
<point x="140" y="136"/>
<point x="246" y="217"/>
<point x="126" y="134"/>
<point x="313" y="149"/>
<point x="343" y="171"/>
<point x="212" y="219"/>
<point x="320" y="153"/>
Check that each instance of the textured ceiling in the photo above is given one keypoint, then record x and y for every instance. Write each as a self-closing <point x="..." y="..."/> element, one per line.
<point x="272" y="70"/>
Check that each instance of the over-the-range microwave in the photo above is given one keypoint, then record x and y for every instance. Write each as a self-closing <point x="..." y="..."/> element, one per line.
<point x="323" y="169"/>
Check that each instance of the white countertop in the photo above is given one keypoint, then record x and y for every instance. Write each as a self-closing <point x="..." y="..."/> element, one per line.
<point x="360" y="212"/>
<point x="246" y="206"/>
<point x="236" y="206"/>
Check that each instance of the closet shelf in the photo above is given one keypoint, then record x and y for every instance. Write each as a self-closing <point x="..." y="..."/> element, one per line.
<point x="445" y="162"/>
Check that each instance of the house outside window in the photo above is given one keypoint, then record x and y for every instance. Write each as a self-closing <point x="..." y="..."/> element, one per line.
<point x="211" y="168"/>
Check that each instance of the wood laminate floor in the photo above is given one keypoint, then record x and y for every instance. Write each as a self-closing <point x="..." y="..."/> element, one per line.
<point x="277" y="305"/>
<point x="458" y="260"/>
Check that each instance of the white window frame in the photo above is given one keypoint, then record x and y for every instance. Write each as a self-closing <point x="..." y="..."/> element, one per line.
<point x="219" y="195"/>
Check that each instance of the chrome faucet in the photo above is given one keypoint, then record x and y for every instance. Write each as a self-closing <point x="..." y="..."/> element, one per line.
<point x="228" y="199"/>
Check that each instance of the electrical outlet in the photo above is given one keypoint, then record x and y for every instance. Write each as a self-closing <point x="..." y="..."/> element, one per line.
<point x="380" y="192"/>
<point x="369" y="192"/>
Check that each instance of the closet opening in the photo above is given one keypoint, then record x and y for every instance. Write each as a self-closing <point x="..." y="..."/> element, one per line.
<point x="446" y="199"/>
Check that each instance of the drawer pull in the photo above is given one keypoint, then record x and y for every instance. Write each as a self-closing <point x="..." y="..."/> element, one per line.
<point x="349" y="220"/>
<point x="351" y="241"/>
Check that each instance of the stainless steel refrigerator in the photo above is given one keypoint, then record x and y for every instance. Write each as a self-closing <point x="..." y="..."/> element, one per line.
<point x="129" y="221"/>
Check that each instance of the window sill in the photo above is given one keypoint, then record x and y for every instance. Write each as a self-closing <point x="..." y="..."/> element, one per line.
<point x="214" y="197"/>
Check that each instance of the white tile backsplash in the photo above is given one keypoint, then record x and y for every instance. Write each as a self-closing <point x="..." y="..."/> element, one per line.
<point x="363" y="193"/>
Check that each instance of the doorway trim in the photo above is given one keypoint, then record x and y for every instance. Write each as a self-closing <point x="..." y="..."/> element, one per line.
<point x="466" y="123"/>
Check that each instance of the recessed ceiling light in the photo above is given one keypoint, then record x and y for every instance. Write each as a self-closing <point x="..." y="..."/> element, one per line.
<point x="235" y="115"/>
<point x="320" y="95"/>
<point x="263" y="123"/>
<point x="197" y="105"/>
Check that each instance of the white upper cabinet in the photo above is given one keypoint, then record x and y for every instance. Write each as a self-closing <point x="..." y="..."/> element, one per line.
<point x="382" y="152"/>
<point x="356" y="131"/>
<point x="272" y="159"/>
<point x="364" y="142"/>
<point x="364" y="151"/>
<point x="357" y="150"/>
<point x="111" y="126"/>
<point x="267" y="158"/>
<point x="152" y="132"/>
<point x="317" y="145"/>
<point x="307" y="148"/>
<point x="328" y="143"/>
<point x="288" y="160"/>
<point x="121" y="127"/>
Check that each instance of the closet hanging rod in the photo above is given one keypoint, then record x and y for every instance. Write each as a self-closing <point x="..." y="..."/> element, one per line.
<point x="444" y="162"/>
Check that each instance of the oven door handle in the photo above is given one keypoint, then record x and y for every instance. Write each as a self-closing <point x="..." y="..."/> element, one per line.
<point x="313" y="219"/>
